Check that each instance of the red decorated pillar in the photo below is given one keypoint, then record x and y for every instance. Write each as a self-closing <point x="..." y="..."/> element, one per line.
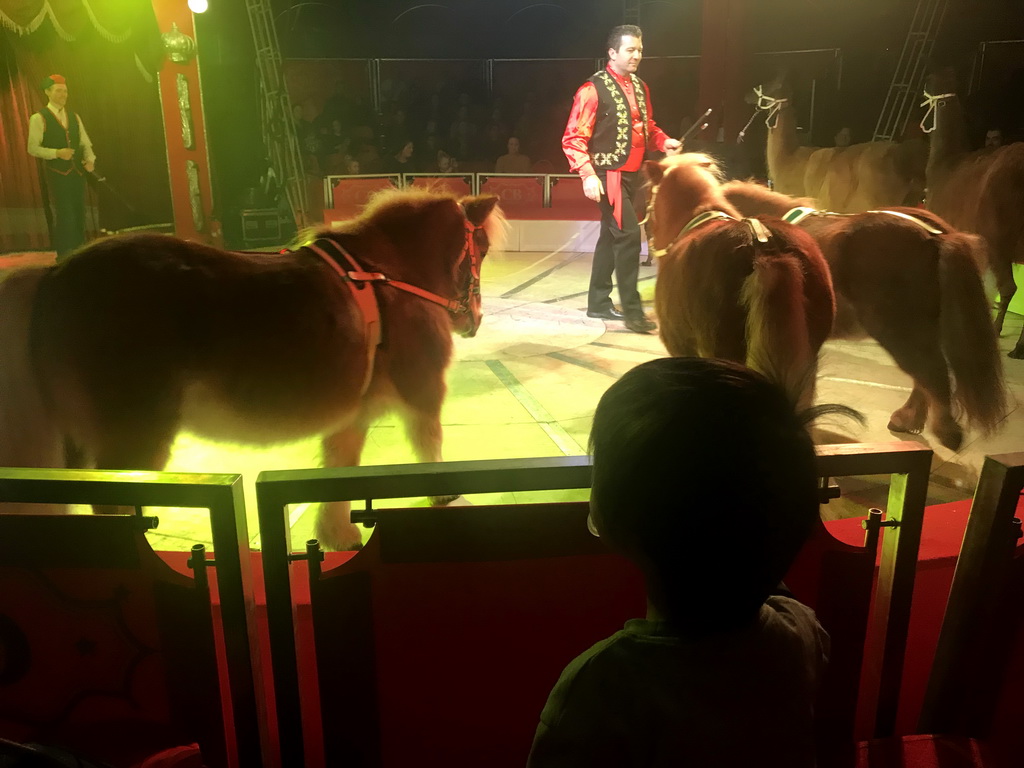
<point x="723" y="58"/>
<point x="188" y="159"/>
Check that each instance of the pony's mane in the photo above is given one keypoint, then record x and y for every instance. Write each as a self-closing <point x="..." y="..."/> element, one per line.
<point x="758" y="194"/>
<point x="386" y="199"/>
<point x="700" y="174"/>
<point x="380" y="202"/>
<point x="497" y="227"/>
<point x="696" y="160"/>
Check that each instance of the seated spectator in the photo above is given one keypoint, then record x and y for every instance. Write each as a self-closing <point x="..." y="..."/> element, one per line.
<point x="445" y="163"/>
<point x="333" y="138"/>
<point x="367" y="156"/>
<point x="724" y="668"/>
<point x="350" y="166"/>
<point x="993" y="138"/>
<point x="463" y="134"/>
<point x="513" y="162"/>
<point x="492" y="144"/>
<point x="402" y="161"/>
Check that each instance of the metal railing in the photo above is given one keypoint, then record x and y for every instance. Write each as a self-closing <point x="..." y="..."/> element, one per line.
<point x="908" y="464"/>
<point x="222" y="495"/>
<point x="403" y="180"/>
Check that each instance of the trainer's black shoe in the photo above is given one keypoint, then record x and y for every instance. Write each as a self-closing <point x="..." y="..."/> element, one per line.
<point x="640" y="324"/>
<point x="608" y="314"/>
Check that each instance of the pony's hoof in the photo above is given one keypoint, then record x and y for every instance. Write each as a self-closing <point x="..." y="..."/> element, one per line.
<point x="442" y="501"/>
<point x="1017" y="353"/>
<point x="895" y="426"/>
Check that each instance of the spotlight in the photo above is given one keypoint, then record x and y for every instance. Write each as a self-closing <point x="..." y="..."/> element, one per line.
<point x="198" y="6"/>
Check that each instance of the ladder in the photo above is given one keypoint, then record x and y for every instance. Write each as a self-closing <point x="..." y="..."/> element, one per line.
<point x="905" y="89"/>
<point x="279" y="135"/>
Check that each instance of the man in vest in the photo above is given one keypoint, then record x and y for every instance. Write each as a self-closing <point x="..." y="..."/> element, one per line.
<point x="57" y="136"/>
<point x="610" y="128"/>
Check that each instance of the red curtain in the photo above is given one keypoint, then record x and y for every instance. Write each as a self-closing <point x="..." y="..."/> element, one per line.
<point x="109" y="51"/>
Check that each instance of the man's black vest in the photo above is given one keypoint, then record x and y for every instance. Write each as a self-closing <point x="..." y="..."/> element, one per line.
<point x="55" y="136"/>
<point x="612" y="140"/>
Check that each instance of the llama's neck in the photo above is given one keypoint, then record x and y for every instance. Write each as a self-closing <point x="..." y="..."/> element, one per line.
<point x="782" y="140"/>
<point x="949" y="139"/>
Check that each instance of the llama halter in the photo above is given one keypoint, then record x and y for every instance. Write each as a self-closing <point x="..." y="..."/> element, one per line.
<point x="931" y="102"/>
<point x="768" y="104"/>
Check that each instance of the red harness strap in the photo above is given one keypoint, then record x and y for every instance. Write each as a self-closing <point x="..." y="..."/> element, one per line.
<point x="360" y="283"/>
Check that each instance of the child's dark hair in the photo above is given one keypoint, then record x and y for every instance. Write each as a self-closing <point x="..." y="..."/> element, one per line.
<point x="706" y="478"/>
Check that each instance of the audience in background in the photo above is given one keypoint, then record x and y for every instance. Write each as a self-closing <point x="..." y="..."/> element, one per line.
<point x="459" y="119"/>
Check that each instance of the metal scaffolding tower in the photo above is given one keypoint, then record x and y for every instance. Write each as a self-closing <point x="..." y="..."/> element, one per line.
<point x="279" y="134"/>
<point x="905" y="88"/>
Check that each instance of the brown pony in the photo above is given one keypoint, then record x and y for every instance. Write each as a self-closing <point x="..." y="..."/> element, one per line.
<point x="911" y="282"/>
<point x="842" y="179"/>
<point x="980" y="191"/>
<point x="137" y="337"/>
<point x="753" y="291"/>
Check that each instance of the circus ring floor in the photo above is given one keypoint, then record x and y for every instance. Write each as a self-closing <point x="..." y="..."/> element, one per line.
<point x="528" y="384"/>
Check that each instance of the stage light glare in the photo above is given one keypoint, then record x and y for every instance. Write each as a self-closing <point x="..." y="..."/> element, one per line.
<point x="198" y="6"/>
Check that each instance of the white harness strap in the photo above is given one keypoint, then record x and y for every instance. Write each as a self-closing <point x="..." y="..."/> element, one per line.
<point x="761" y="233"/>
<point x="910" y="217"/>
<point x="798" y="215"/>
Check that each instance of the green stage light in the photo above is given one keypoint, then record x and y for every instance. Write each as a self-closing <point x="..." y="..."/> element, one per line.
<point x="198" y="6"/>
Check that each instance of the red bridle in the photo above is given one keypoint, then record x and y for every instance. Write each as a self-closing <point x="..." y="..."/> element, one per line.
<point x="361" y="282"/>
<point x="357" y="275"/>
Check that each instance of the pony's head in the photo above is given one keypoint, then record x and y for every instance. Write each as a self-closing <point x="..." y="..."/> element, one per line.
<point x="429" y="240"/>
<point x="682" y="187"/>
<point x="485" y="228"/>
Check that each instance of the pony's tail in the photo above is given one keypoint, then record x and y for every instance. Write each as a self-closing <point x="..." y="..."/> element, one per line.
<point x="28" y="435"/>
<point x="968" y="341"/>
<point x="778" y="339"/>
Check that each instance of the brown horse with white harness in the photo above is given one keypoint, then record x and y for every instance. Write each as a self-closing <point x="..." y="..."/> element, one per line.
<point x="135" y="338"/>
<point x="755" y="291"/>
<point x="907" y="279"/>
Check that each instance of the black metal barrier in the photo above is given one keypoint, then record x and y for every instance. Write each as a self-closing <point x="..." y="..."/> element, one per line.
<point x="908" y="464"/>
<point x="222" y="495"/>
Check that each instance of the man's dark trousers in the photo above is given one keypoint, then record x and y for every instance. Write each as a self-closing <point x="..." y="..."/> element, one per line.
<point x="618" y="251"/>
<point x="68" y="196"/>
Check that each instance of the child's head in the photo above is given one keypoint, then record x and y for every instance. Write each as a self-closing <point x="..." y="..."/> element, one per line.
<point x="705" y="477"/>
